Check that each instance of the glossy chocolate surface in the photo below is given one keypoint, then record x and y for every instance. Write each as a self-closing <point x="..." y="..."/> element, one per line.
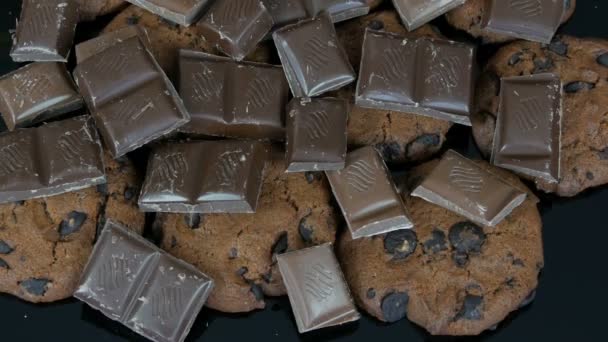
<point x="183" y="12"/>
<point x="415" y="13"/>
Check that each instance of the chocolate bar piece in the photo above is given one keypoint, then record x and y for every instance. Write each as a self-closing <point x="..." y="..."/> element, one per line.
<point x="316" y="135"/>
<point x="45" y="31"/>
<point x="132" y="281"/>
<point x="316" y="287"/>
<point x="289" y="11"/>
<point x="536" y="20"/>
<point x="236" y="26"/>
<point x="461" y="186"/>
<point x="528" y="126"/>
<point x="312" y="57"/>
<point x="367" y="195"/>
<point x="205" y="177"/>
<point x="56" y="158"/>
<point x="37" y="92"/>
<point x="415" y="13"/>
<point x="130" y="97"/>
<point x="183" y="12"/>
<point x="90" y="48"/>
<point x="424" y="76"/>
<point x="232" y="99"/>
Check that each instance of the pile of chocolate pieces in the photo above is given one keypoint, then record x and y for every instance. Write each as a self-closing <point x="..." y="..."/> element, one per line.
<point x="133" y="103"/>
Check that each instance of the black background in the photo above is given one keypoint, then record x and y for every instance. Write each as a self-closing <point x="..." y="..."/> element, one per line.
<point x="571" y="304"/>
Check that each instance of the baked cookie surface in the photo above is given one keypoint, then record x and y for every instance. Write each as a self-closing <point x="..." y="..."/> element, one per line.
<point x="45" y="243"/>
<point x="469" y="17"/>
<point x="237" y="250"/>
<point x="448" y="275"/>
<point x="583" y="67"/>
<point x="400" y="137"/>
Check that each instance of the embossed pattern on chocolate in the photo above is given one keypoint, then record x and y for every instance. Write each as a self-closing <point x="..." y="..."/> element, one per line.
<point x="415" y="13"/>
<point x="183" y="12"/>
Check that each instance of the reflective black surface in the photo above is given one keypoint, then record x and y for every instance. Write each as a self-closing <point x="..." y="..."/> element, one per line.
<point x="570" y="305"/>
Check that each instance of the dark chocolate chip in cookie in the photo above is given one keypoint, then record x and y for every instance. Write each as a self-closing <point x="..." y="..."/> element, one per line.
<point x="35" y="286"/>
<point x="529" y="299"/>
<point x="574" y="87"/>
<point x="421" y="145"/>
<point x="466" y="237"/>
<point x="390" y="151"/>
<point x="559" y="47"/>
<point x="233" y="253"/>
<point x="400" y="243"/>
<point x="589" y="175"/>
<point x="130" y="193"/>
<point x="102" y="188"/>
<point x="280" y="246"/>
<point x="603" y="59"/>
<point x="394" y="306"/>
<point x="5" y="248"/>
<point x="305" y="230"/>
<point x="3" y="264"/>
<point x="542" y="65"/>
<point x="72" y="223"/>
<point x="471" y="308"/>
<point x="173" y="242"/>
<point x="257" y="291"/>
<point x="242" y="271"/>
<point x="515" y="58"/>
<point x="375" y="25"/>
<point x="436" y="243"/>
<point x="193" y="220"/>
<point x="371" y="293"/>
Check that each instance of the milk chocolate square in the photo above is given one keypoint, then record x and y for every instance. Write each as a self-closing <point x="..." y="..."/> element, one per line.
<point x="367" y="195"/>
<point x="132" y="281"/>
<point x="37" y="92"/>
<point x="318" y="293"/>
<point x="312" y="57"/>
<point x="528" y="126"/>
<point x="415" y="13"/>
<point x="45" y="31"/>
<point x="460" y="185"/>
<point x="236" y="26"/>
<point x="316" y="134"/>
<point x="535" y="20"/>
<point x="425" y="76"/>
<point x="183" y="12"/>
<point x="232" y="99"/>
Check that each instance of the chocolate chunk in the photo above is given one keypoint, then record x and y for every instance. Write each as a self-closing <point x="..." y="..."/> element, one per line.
<point x="528" y="127"/>
<point x="394" y="306"/>
<point x="193" y="220"/>
<point x="559" y="47"/>
<point x="390" y="150"/>
<point x="5" y="248"/>
<point x="232" y="99"/>
<point x="130" y="193"/>
<point x="603" y="154"/>
<point x="281" y="244"/>
<point x="102" y="188"/>
<point x="316" y="134"/>
<point x="92" y="47"/>
<point x="467" y="237"/>
<point x="422" y="144"/>
<point x="518" y="262"/>
<point x="460" y="259"/>
<point x="317" y="291"/>
<point x="415" y="13"/>
<point x="233" y="253"/>
<point x="436" y="243"/>
<point x="375" y="25"/>
<point x="371" y="293"/>
<point x="222" y="176"/>
<point x="241" y="271"/>
<point x="367" y="196"/>
<point x="312" y="176"/>
<point x="603" y="59"/>
<point x="400" y="244"/>
<point x="589" y="175"/>
<point x="289" y="11"/>
<point x="3" y="264"/>
<point x="542" y="65"/>
<point x="574" y="87"/>
<point x="471" y="308"/>
<point x="132" y="281"/>
<point x="72" y="223"/>
<point x="180" y="11"/>
<point x="529" y="299"/>
<point x="515" y="58"/>
<point x="306" y="231"/>
<point x="257" y="292"/>
<point x="425" y="76"/>
<point x="35" y="286"/>
<point x="462" y="186"/>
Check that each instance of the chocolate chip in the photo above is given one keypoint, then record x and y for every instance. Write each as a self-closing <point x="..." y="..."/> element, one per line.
<point x="35" y="286"/>
<point x="390" y="151"/>
<point x="471" y="308"/>
<point x="375" y="25"/>
<point x="518" y="262"/>
<point x="241" y="271"/>
<point x="72" y="224"/>
<point x="589" y="175"/>
<point x="466" y="237"/>
<point x="510" y="282"/>
<point x="233" y="253"/>
<point x="371" y="293"/>
<point x="529" y="299"/>
<point x="280" y="246"/>
<point x="515" y="58"/>
<point x="603" y="59"/>
<point x="257" y="292"/>
<point x="461" y="259"/>
<point x="310" y="177"/>
<point x="542" y="65"/>
<point x="102" y="188"/>
<point x="559" y="47"/>
<point x="5" y="248"/>
<point x="130" y="193"/>
<point x="436" y="243"/>
<point x="3" y="264"/>
<point x="577" y="86"/>
<point x="305" y="230"/>
<point x="401" y="243"/>
<point x="173" y="242"/>
<point x="193" y="220"/>
<point x="132" y="20"/>
<point x="421" y="145"/>
<point x="603" y="154"/>
<point x="394" y="306"/>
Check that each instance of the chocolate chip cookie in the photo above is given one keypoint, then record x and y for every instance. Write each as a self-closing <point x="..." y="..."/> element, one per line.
<point x="167" y="38"/>
<point x="400" y="137"/>
<point x="238" y="250"/>
<point x="583" y="67"/>
<point x="469" y="17"/>
<point x="45" y="243"/>
<point x="91" y="9"/>
<point x="448" y="275"/>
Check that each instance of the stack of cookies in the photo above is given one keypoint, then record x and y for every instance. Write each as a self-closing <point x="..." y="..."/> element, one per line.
<point x="258" y="143"/>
